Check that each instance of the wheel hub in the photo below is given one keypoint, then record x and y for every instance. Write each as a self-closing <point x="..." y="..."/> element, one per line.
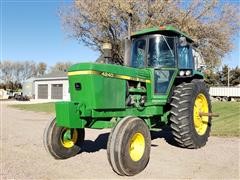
<point x="200" y="106"/>
<point x="69" y="137"/>
<point x="137" y="147"/>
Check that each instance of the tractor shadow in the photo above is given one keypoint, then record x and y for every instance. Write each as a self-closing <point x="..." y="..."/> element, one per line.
<point x="100" y="142"/>
<point x="165" y="134"/>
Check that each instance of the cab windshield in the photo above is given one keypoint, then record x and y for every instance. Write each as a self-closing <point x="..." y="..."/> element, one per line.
<point x="161" y="52"/>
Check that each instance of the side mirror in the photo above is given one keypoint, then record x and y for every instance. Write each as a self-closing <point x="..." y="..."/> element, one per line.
<point x="202" y="68"/>
<point x="182" y="41"/>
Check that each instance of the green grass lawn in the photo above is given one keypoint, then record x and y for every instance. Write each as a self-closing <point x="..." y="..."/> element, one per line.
<point x="43" y="107"/>
<point x="228" y="124"/>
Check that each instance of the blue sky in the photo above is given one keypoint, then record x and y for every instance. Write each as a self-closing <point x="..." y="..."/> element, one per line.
<point x="31" y="30"/>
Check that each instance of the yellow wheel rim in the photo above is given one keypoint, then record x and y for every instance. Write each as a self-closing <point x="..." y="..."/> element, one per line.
<point x="200" y="106"/>
<point x="69" y="137"/>
<point x="137" y="147"/>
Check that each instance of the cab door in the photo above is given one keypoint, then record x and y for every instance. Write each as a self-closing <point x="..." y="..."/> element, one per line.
<point x="162" y="57"/>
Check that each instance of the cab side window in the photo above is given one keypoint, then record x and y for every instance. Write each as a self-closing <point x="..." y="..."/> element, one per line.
<point x="138" y="53"/>
<point x="185" y="57"/>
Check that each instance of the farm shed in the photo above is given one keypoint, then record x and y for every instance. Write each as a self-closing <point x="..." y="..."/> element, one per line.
<point x="52" y="86"/>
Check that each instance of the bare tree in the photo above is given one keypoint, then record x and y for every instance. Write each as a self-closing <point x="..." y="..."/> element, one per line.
<point x="29" y="70"/>
<point x="6" y="68"/>
<point x="212" y="24"/>
<point x="61" y="66"/>
<point x="17" y="72"/>
<point x="41" y="68"/>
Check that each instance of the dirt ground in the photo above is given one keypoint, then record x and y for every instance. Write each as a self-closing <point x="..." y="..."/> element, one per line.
<point x="24" y="157"/>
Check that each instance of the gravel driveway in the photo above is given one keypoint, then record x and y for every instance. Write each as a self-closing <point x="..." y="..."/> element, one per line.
<point x="23" y="155"/>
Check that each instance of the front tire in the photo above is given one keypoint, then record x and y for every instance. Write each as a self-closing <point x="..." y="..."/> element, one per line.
<point x="62" y="143"/>
<point x="189" y="128"/>
<point x="128" y="147"/>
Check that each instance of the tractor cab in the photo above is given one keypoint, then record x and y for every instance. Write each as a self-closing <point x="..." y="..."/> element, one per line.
<point x="164" y="49"/>
<point x="160" y="48"/>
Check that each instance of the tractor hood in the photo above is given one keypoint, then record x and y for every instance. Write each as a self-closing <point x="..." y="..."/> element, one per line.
<point x="102" y="86"/>
<point x="110" y="71"/>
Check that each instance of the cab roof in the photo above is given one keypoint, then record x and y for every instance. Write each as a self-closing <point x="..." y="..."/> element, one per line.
<point x="165" y="30"/>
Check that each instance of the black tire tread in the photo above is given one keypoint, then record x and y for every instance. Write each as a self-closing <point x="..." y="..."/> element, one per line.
<point x="49" y="141"/>
<point x="110" y="145"/>
<point x="180" y="115"/>
<point x="115" y="142"/>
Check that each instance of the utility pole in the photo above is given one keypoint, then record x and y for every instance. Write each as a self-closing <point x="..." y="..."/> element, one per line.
<point x="228" y="90"/>
<point x="228" y="75"/>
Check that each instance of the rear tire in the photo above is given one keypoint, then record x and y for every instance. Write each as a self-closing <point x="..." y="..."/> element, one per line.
<point x="189" y="129"/>
<point x="62" y="143"/>
<point x="129" y="145"/>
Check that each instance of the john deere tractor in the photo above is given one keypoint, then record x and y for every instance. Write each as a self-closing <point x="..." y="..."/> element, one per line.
<point x="158" y="85"/>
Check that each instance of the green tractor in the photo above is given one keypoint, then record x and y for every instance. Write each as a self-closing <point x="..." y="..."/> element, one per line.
<point x="158" y="85"/>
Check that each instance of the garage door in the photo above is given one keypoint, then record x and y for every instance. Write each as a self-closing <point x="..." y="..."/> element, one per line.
<point x="57" y="91"/>
<point x="42" y="91"/>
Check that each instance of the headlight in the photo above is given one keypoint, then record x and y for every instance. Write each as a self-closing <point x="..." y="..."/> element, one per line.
<point x="188" y="72"/>
<point x="181" y="73"/>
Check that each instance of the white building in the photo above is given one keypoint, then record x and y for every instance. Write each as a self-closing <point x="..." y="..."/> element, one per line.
<point x="52" y="86"/>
